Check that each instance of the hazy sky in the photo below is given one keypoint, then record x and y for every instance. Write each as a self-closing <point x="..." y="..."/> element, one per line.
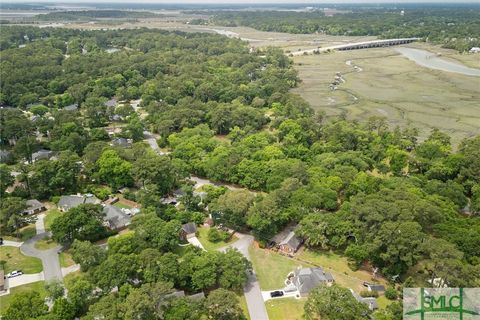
<point x="247" y="1"/>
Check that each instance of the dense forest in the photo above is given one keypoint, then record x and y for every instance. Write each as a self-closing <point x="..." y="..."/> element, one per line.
<point x="90" y="15"/>
<point x="377" y="195"/>
<point x="453" y="28"/>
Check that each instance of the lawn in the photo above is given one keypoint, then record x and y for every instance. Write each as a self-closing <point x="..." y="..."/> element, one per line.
<point x="45" y="244"/>
<point x="271" y="268"/>
<point x="66" y="259"/>
<point x="122" y="205"/>
<point x="35" y="286"/>
<point x="338" y="266"/>
<point x="50" y="216"/>
<point x="15" y="260"/>
<point x="26" y="233"/>
<point x="208" y="245"/>
<point x="243" y="304"/>
<point x="285" y="309"/>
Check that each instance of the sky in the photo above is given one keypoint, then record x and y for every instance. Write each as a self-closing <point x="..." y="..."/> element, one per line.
<point x="247" y="1"/>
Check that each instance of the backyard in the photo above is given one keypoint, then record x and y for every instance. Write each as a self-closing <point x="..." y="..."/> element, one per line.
<point x="15" y="260"/>
<point x="5" y="300"/>
<point x="208" y="245"/>
<point x="271" y="268"/>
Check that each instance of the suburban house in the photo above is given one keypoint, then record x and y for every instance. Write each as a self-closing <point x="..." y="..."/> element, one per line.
<point x="115" y="218"/>
<point x="286" y="241"/>
<point x="122" y="142"/>
<point x="306" y="279"/>
<point x="72" y="107"/>
<point x="5" y="156"/>
<point x="42" y="154"/>
<point x="34" y="206"/>
<point x="188" y="230"/>
<point x="68" y="202"/>
<point x="111" y="103"/>
<point x="370" y="302"/>
<point x="374" y="287"/>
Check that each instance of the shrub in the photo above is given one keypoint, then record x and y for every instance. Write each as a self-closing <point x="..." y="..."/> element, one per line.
<point x="391" y="293"/>
<point x="214" y="235"/>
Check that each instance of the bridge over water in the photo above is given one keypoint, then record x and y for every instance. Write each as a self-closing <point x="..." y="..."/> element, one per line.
<point x="359" y="45"/>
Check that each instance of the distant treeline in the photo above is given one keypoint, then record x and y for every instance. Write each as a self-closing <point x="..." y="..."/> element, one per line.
<point x="456" y="28"/>
<point x="94" y="14"/>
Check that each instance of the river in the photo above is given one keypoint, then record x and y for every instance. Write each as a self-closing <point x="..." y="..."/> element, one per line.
<point x="432" y="61"/>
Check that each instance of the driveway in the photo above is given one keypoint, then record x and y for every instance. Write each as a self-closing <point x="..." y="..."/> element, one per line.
<point x="50" y="262"/>
<point x="24" y="279"/>
<point x="150" y="138"/>
<point x="253" y="294"/>
<point x="9" y="243"/>
<point x="194" y="241"/>
<point x="291" y="294"/>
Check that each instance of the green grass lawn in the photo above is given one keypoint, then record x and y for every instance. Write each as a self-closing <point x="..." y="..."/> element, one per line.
<point x="271" y="268"/>
<point x="15" y="260"/>
<point x="208" y="245"/>
<point x="285" y="309"/>
<point x="243" y="304"/>
<point x="66" y="259"/>
<point x="26" y="233"/>
<point x="35" y="286"/>
<point x="50" y="216"/>
<point x="45" y="244"/>
<point x="122" y="205"/>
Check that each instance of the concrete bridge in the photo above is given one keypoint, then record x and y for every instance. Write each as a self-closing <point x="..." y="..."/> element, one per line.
<point x="359" y="45"/>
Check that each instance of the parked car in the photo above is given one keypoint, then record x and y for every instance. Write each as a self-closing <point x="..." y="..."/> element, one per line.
<point x="14" y="273"/>
<point x="277" y="293"/>
<point x="1" y="241"/>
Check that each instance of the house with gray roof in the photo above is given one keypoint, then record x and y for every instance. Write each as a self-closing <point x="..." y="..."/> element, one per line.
<point x="72" y="107"/>
<point x="307" y="279"/>
<point x="68" y="202"/>
<point x="374" y="287"/>
<point x="122" y="142"/>
<point x="286" y="241"/>
<point x="369" y="301"/>
<point x="188" y="230"/>
<point x="115" y="218"/>
<point x="5" y="156"/>
<point x="42" y="154"/>
<point x="34" y="206"/>
<point x="111" y="103"/>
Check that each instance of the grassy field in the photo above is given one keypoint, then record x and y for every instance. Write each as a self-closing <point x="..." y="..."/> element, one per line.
<point x="15" y="260"/>
<point x="389" y="85"/>
<point x="66" y="259"/>
<point x="122" y="205"/>
<point x="45" y="244"/>
<point x="35" y="286"/>
<point x="285" y="309"/>
<point x="51" y="215"/>
<point x="271" y="268"/>
<point x="26" y="233"/>
<point x="208" y="245"/>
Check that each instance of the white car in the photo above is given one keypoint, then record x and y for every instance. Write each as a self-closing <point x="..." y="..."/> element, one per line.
<point x="15" y="273"/>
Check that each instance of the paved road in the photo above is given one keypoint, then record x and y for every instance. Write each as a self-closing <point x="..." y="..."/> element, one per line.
<point x="253" y="294"/>
<point x="50" y="262"/>
<point x="9" y="243"/>
<point x="150" y="138"/>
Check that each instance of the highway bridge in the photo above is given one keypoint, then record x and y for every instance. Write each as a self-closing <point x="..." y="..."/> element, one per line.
<point x="358" y="45"/>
